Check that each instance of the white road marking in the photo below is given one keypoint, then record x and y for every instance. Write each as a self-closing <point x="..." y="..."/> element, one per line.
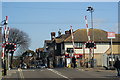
<point x="41" y="70"/>
<point x="28" y="70"/>
<point x="80" y="69"/>
<point x="58" y="73"/>
<point x="21" y="74"/>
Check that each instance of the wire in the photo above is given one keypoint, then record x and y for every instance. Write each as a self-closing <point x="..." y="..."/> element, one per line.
<point x="55" y="8"/>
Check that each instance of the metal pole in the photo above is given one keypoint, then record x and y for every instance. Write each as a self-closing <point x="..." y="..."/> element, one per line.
<point x="89" y="59"/>
<point x="8" y="61"/>
<point x="111" y="55"/>
<point x="84" y="54"/>
<point x="92" y="37"/>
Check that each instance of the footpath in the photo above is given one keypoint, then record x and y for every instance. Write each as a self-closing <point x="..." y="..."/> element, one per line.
<point x="13" y="74"/>
<point x="96" y="69"/>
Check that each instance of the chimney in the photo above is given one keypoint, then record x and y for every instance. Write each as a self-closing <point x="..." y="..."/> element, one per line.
<point x="52" y="35"/>
<point x="70" y="31"/>
<point x="67" y="32"/>
<point x="59" y="32"/>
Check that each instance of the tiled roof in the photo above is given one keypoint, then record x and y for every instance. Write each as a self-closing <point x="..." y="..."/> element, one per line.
<point x="48" y="41"/>
<point x="80" y="35"/>
<point x="41" y="49"/>
<point x="61" y="38"/>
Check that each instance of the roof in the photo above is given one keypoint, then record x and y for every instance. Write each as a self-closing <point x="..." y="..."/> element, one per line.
<point x="80" y="35"/>
<point x="41" y="49"/>
<point x="48" y="41"/>
<point x="61" y="38"/>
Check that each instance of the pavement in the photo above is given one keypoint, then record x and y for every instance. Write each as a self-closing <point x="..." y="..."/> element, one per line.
<point x="96" y="69"/>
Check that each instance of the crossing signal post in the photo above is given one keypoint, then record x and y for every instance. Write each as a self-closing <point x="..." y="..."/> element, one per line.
<point x="5" y="40"/>
<point x="8" y="48"/>
<point x="90" y="45"/>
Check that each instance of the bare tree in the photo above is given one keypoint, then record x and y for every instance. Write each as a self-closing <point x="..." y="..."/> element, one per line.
<point x="21" y="39"/>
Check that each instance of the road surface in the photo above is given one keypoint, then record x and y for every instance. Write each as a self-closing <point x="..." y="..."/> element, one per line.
<point x="61" y="73"/>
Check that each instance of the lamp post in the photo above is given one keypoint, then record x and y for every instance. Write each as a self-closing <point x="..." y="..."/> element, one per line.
<point x="91" y="10"/>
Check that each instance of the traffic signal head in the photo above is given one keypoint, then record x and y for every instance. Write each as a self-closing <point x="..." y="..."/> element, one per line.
<point x="10" y="47"/>
<point x="90" y="45"/>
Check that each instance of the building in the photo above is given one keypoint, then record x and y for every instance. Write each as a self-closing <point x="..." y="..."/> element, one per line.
<point x="63" y="48"/>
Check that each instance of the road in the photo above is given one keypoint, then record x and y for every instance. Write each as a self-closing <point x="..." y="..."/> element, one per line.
<point x="61" y="73"/>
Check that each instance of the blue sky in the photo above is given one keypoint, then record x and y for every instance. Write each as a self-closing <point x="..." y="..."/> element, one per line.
<point x="39" y="19"/>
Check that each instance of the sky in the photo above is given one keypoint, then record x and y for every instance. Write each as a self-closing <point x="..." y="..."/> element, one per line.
<point x="39" y="19"/>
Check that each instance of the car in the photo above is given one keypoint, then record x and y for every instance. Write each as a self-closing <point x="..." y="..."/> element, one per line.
<point x="24" y="66"/>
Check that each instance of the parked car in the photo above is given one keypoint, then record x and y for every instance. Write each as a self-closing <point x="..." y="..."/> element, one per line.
<point x="24" y="66"/>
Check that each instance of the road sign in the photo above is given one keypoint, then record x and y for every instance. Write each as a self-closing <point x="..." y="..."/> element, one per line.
<point x="111" y="35"/>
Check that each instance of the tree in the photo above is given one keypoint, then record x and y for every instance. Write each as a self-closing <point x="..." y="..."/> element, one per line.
<point x="21" y="39"/>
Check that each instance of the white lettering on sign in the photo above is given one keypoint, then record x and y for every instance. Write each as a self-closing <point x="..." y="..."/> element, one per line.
<point x="111" y="35"/>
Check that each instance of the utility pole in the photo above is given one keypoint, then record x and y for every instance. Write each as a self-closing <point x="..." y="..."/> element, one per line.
<point x="91" y="10"/>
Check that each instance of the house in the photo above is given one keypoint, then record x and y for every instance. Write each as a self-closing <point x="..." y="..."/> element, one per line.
<point x="63" y="47"/>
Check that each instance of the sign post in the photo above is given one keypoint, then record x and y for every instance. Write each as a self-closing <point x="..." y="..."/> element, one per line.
<point x="111" y="35"/>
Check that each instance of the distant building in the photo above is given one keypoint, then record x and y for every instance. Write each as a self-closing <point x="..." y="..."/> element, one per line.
<point x="61" y="47"/>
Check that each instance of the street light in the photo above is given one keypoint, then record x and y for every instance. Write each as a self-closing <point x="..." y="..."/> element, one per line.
<point x="91" y="10"/>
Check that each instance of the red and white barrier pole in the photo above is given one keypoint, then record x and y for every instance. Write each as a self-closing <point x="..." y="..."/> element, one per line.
<point x="88" y="33"/>
<point x="72" y="40"/>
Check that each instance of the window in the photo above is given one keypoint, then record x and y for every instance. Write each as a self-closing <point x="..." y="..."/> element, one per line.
<point x="69" y="50"/>
<point x="78" y="45"/>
